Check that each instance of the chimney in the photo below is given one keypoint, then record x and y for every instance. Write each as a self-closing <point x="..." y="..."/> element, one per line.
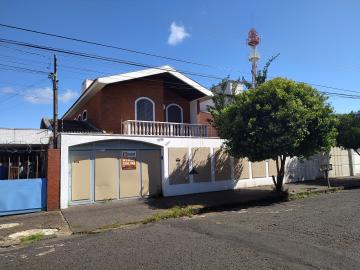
<point x="86" y="83"/>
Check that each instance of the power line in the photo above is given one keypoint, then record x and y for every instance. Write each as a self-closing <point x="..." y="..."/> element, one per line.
<point x="16" y="68"/>
<point x="168" y="83"/>
<point x="104" y="45"/>
<point x="103" y="58"/>
<point x="23" y="51"/>
<point x="175" y="85"/>
<point x="22" y="59"/>
<point x="326" y="86"/>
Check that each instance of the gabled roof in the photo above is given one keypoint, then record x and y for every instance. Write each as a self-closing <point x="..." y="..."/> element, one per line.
<point x="101" y="82"/>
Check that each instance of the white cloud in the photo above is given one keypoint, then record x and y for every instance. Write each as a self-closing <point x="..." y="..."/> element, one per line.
<point x="177" y="34"/>
<point x="67" y="95"/>
<point x="45" y="95"/>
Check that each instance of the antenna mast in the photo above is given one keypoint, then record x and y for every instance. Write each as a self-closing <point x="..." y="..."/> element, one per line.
<point x="253" y="40"/>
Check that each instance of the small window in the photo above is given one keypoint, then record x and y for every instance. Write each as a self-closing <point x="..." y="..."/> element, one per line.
<point x="144" y="109"/>
<point x="79" y="117"/>
<point x="84" y="115"/>
<point x="174" y="113"/>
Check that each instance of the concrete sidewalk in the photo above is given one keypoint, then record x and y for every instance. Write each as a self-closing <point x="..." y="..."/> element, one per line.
<point x="87" y="218"/>
<point x="31" y="224"/>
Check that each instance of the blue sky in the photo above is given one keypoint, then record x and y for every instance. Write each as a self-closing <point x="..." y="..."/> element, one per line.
<point x="318" y="42"/>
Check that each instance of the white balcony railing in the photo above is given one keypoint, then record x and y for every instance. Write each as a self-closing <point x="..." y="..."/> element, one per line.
<point x="151" y="128"/>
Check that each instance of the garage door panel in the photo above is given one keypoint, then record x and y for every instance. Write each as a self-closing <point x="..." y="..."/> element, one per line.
<point x="150" y="172"/>
<point x="106" y="176"/>
<point x="130" y="179"/>
<point x="80" y="177"/>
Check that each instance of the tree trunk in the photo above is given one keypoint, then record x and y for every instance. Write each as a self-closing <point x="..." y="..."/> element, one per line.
<point x="281" y="173"/>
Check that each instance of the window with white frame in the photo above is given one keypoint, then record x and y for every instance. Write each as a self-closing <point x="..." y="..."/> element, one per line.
<point x="174" y="113"/>
<point x="144" y="109"/>
<point x="84" y="115"/>
<point x="79" y="117"/>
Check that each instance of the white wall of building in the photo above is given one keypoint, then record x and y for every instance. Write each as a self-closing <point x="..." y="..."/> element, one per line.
<point x="308" y="170"/>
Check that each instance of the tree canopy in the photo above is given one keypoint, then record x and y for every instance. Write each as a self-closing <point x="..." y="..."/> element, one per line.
<point x="349" y="131"/>
<point x="278" y="119"/>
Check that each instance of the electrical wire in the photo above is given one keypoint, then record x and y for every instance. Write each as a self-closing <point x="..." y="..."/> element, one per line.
<point x="16" y="68"/>
<point x="103" y="58"/>
<point x="105" y="45"/>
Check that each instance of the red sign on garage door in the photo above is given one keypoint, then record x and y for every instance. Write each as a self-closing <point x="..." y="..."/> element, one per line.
<point x="128" y="160"/>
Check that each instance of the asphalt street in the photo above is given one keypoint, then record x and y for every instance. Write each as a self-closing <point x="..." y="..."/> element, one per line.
<point x="321" y="232"/>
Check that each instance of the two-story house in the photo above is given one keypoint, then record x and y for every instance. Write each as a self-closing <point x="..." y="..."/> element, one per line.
<point x="150" y="136"/>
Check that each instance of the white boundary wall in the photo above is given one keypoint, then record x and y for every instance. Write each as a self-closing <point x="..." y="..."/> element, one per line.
<point x="22" y="136"/>
<point x="68" y="140"/>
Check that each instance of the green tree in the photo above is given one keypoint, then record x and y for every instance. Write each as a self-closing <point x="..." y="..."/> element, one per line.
<point x="279" y="119"/>
<point x="349" y="131"/>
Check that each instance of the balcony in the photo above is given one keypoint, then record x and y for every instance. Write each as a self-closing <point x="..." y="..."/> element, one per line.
<point x="167" y="129"/>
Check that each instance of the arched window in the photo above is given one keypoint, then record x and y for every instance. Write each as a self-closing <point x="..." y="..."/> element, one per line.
<point x="144" y="109"/>
<point x="79" y="117"/>
<point x="84" y="115"/>
<point x="174" y="113"/>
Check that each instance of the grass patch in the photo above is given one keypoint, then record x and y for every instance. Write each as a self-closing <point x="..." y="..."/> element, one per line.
<point x="174" y="212"/>
<point x="32" y="238"/>
<point x="308" y="193"/>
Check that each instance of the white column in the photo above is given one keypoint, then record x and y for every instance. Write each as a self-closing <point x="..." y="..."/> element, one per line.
<point x="213" y="164"/>
<point x="165" y="169"/>
<point x="64" y="174"/>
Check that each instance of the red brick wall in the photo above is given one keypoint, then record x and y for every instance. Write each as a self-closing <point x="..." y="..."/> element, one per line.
<point x="93" y="107"/>
<point x="53" y="179"/>
<point x="115" y="103"/>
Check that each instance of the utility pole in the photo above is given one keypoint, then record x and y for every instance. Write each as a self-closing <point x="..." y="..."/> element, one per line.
<point x="53" y="77"/>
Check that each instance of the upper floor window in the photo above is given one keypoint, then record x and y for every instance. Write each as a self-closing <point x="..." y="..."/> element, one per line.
<point x="174" y="113"/>
<point x="84" y="115"/>
<point x="79" y="117"/>
<point x="144" y="109"/>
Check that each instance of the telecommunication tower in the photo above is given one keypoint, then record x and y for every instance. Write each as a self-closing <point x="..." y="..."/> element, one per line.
<point x="253" y="41"/>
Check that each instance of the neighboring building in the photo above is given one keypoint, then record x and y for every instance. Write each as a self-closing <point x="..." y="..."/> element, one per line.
<point x="23" y="170"/>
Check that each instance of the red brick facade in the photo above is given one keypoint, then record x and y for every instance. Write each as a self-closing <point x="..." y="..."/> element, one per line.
<point x="115" y="103"/>
<point x="53" y="179"/>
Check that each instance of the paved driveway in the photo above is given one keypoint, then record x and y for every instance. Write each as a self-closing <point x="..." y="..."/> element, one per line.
<point x="320" y="232"/>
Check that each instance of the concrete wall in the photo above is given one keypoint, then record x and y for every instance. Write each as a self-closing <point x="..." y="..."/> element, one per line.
<point x="24" y="136"/>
